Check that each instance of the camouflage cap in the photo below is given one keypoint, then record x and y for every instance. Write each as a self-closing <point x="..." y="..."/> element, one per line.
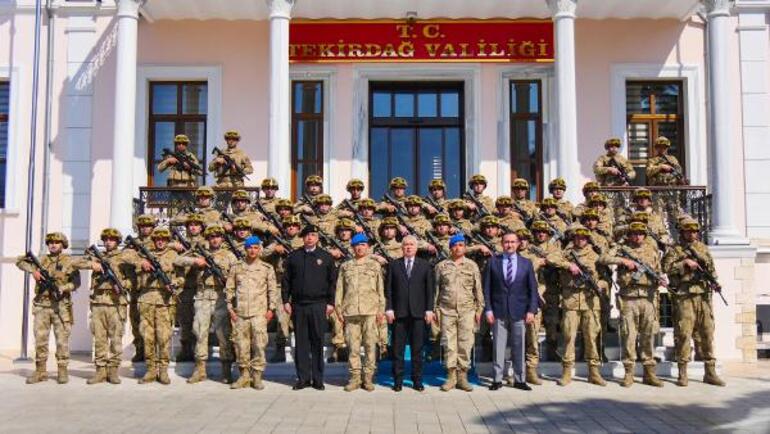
<point x="204" y="191"/>
<point x="398" y="182"/>
<point x="580" y="231"/>
<point x="558" y="183"/>
<point x="194" y="218"/>
<point x="614" y="141"/>
<point x="663" y="141"/>
<point x="181" y="138"/>
<point x="389" y="222"/>
<point x="159" y="233"/>
<point x="640" y="193"/>
<point x="503" y="201"/>
<point x="478" y="179"/>
<point x="345" y="224"/>
<point x="640" y="216"/>
<point x="232" y="135"/>
<point x="240" y="195"/>
<point x="520" y="183"/>
<point x="590" y="213"/>
<point x="413" y="200"/>
<point x="488" y="221"/>
<point x="597" y="198"/>
<point x="367" y="203"/>
<point x="241" y="223"/>
<point x="314" y="180"/>
<point x="689" y="224"/>
<point x="146" y="220"/>
<point x="214" y="231"/>
<point x="283" y="204"/>
<point x="637" y="228"/>
<point x="57" y="237"/>
<point x="441" y="219"/>
<point x="457" y="204"/>
<point x="549" y="202"/>
<point x="269" y="183"/>
<point x="436" y="184"/>
<point x="292" y="220"/>
<point x="111" y="233"/>
<point x="323" y="199"/>
<point x="524" y="234"/>
<point x="354" y="183"/>
<point x="541" y="226"/>
<point x="590" y="186"/>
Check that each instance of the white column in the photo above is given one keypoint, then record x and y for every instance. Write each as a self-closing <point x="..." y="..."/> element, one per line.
<point x="279" y="140"/>
<point x="125" y="110"/>
<point x="567" y="165"/>
<point x="724" y="175"/>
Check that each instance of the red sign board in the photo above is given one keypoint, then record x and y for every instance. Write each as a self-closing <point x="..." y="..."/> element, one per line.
<point x="421" y="41"/>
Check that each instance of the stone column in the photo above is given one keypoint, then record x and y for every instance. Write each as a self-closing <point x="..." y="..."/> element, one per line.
<point x="567" y="166"/>
<point x="121" y="208"/>
<point x="279" y="140"/>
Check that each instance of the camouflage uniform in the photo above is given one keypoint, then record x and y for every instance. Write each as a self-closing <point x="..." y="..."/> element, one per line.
<point x="342" y="208"/>
<point x="602" y="165"/>
<point x="589" y="188"/>
<point x="395" y="183"/>
<point x="51" y="314"/>
<point x="210" y="214"/>
<point x="231" y="179"/>
<point x="526" y="208"/>
<point x="460" y="301"/>
<point x="508" y="220"/>
<point x="360" y="300"/>
<point x="185" y="308"/>
<point x="565" y="207"/>
<point x="302" y="206"/>
<point x="665" y="201"/>
<point x="133" y="287"/>
<point x="251" y="292"/>
<point x="549" y="278"/>
<point x="269" y="204"/>
<point x="179" y="177"/>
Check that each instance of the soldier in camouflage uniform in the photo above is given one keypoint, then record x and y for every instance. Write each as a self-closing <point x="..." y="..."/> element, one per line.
<point x="557" y="188"/>
<point x="366" y="210"/>
<point x="655" y="222"/>
<point x="599" y="202"/>
<point x="461" y="303"/>
<point x="228" y="176"/>
<point x="665" y="170"/>
<point x="458" y="210"/>
<point x="157" y="303"/>
<point x="210" y="305"/>
<point x="581" y="305"/>
<point x="414" y="217"/>
<point x="325" y="217"/>
<point x="489" y="233"/>
<point x="392" y="247"/>
<point x="49" y="313"/>
<point x="589" y="188"/>
<point x="252" y="296"/>
<point x="240" y="206"/>
<point x="398" y="193"/>
<point x="637" y="293"/>
<point x="610" y="167"/>
<point x="313" y="189"/>
<point x="688" y="264"/>
<point x="437" y="201"/>
<point x="509" y="220"/>
<point x="549" y="213"/>
<point x="185" y="308"/>
<point x="181" y="174"/>
<point x="204" y="197"/>
<point x="441" y="228"/>
<point x="145" y="224"/>
<point x="526" y="208"/>
<point x="356" y="188"/>
<point x="268" y="198"/>
<point x="108" y="305"/>
<point x="241" y="231"/>
<point x="360" y="303"/>
<point x="476" y="186"/>
<point x="344" y="233"/>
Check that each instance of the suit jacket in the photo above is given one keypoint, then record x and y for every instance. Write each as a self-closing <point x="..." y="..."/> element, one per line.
<point x="510" y="301"/>
<point x="409" y="297"/>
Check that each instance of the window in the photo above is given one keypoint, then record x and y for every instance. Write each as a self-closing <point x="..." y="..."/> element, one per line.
<point x="416" y="132"/>
<point x="5" y="90"/>
<point x="653" y="109"/>
<point x="307" y="133"/>
<point x="176" y="108"/>
<point x="526" y="119"/>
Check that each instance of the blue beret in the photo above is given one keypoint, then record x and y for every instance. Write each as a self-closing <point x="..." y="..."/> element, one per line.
<point x="457" y="238"/>
<point x="358" y="239"/>
<point x="251" y="241"/>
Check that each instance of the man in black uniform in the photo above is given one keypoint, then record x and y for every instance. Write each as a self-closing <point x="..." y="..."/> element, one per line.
<point x="308" y="289"/>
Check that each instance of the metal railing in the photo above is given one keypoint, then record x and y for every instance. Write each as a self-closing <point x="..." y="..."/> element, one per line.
<point x="166" y="202"/>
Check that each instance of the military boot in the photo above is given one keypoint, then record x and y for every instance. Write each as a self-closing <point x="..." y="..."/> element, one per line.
<point x="462" y="381"/>
<point x="150" y="375"/>
<point x="650" y="378"/>
<point x="62" y="375"/>
<point x="368" y="382"/>
<point x="100" y="376"/>
<point x="39" y="375"/>
<point x="354" y="382"/>
<point x="711" y="377"/>
<point x="243" y="381"/>
<point x="532" y="377"/>
<point x="682" y="379"/>
<point x="595" y="377"/>
<point x="112" y="375"/>
<point x="227" y="372"/>
<point x="256" y="380"/>
<point x="163" y="377"/>
<point x="451" y="380"/>
<point x="628" y="379"/>
<point x="566" y="375"/>
<point x="199" y="374"/>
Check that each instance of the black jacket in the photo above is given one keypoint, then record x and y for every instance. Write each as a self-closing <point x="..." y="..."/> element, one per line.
<point x="309" y="277"/>
<point x="409" y="297"/>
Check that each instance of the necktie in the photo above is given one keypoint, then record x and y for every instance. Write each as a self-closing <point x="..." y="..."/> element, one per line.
<point x="509" y="271"/>
<point x="408" y="268"/>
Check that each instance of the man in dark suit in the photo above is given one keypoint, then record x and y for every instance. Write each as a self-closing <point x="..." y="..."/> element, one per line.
<point x="308" y="286"/>
<point x="409" y="304"/>
<point x="510" y="291"/>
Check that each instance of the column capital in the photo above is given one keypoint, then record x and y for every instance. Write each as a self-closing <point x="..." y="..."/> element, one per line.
<point x="562" y="8"/>
<point x="280" y="8"/>
<point x="716" y="8"/>
<point x="129" y="8"/>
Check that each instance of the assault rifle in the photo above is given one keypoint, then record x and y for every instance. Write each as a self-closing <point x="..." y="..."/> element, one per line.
<point x="157" y="270"/>
<point x="233" y="248"/>
<point x="180" y="238"/>
<point x="183" y="160"/>
<point x="644" y="268"/>
<point x="704" y="274"/>
<point x="612" y="162"/>
<point x="676" y="171"/>
<point x="480" y="208"/>
<point x="107" y="274"/>
<point x="46" y="282"/>
<point x="230" y="164"/>
<point x="328" y="240"/>
<point x="378" y="247"/>
<point x="213" y="268"/>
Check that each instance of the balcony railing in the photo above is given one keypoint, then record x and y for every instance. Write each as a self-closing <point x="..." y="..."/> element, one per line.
<point x="166" y="202"/>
